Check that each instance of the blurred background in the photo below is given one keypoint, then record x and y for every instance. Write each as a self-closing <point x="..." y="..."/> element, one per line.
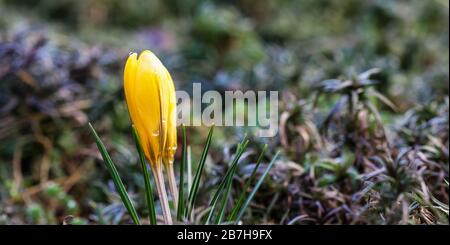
<point x="61" y="65"/>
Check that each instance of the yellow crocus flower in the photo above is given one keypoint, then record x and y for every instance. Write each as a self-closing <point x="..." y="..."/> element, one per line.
<point x="145" y="82"/>
<point x="151" y="101"/>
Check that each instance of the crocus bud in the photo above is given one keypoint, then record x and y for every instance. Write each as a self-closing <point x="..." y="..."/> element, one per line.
<point x="148" y="91"/>
<point x="151" y="101"/>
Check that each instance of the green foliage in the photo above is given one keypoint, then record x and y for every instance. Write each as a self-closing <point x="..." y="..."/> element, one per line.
<point x="356" y="147"/>
<point x="116" y="178"/>
<point x="148" y="187"/>
<point x="181" y="199"/>
<point x="224" y="186"/>
<point x="198" y="173"/>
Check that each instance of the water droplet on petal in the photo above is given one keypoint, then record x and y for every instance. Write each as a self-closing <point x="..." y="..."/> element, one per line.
<point x="156" y="132"/>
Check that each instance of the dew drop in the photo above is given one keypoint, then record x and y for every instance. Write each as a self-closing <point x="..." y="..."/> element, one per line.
<point x="155" y="132"/>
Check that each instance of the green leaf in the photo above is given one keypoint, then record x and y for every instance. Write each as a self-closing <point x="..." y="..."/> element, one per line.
<point x="240" y="149"/>
<point x="148" y="188"/>
<point x="181" y="203"/>
<point x="227" y="189"/>
<point x="196" y="182"/>
<point x="240" y="200"/>
<point x="255" y="189"/>
<point x="115" y="176"/>
<point x="228" y="183"/>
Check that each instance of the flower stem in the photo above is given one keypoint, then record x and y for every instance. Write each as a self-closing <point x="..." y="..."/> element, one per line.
<point x="159" y="180"/>
<point x="172" y="184"/>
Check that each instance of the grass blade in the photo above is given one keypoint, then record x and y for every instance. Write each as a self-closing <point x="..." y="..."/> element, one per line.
<point x="115" y="176"/>
<point x="255" y="189"/>
<point x="227" y="188"/>
<point x="240" y="200"/>
<point x="225" y="196"/>
<point x="148" y="188"/>
<point x="240" y="149"/>
<point x="196" y="182"/>
<point x="181" y="204"/>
